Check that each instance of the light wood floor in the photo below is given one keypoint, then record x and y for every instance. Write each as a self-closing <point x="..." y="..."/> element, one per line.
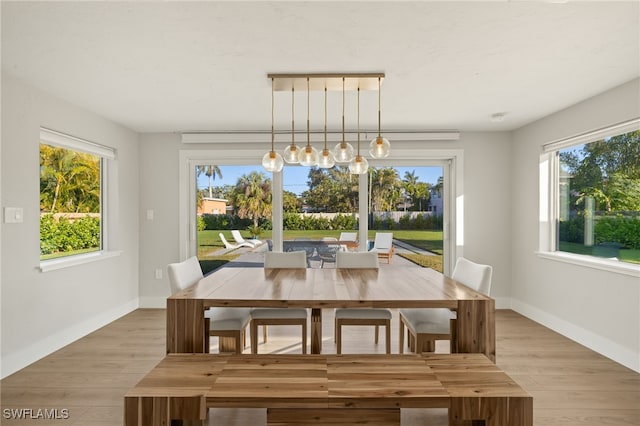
<point x="571" y="385"/>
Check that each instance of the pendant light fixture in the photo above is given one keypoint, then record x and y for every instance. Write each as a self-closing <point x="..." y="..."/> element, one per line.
<point x="291" y="153"/>
<point x="309" y="155"/>
<point x="359" y="165"/>
<point x="326" y="160"/>
<point x="343" y="151"/>
<point x="272" y="161"/>
<point x="379" y="147"/>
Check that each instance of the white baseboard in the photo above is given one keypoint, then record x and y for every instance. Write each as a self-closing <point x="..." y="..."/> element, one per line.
<point x="15" y="361"/>
<point x="602" y="345"/>
<point x="153" y="302"/>
<point x="503" y="302"/>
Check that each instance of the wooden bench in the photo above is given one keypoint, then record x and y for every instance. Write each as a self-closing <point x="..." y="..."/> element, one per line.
<point x="328" y="389"/>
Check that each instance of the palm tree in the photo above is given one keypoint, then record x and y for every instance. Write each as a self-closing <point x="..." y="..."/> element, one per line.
<point x="69" y="180"/>
<point x="211" y="171"/>
<point x="410" y="183"/>
<point x="384" y="184"/>
<point x="251" y="197"/>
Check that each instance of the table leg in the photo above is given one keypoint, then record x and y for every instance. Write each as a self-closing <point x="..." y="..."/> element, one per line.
<point x="316" y="330"/>
<point x="476" y="327"/>
<point x="185" y="326"/>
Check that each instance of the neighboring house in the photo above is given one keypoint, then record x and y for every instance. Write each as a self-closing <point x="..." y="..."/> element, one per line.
<point x="212" y="206"/>
<point x="435" y="202"/>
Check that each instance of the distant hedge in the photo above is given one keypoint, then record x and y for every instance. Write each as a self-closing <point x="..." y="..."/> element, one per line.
<point x="624" y="230"/>
<point x="63" y="235"/>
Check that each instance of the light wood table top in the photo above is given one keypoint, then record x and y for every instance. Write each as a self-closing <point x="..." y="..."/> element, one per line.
<point x="329" y="288"/>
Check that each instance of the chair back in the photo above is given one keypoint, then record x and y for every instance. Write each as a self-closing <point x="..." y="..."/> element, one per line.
<point x="473" y="275"/>
<point x="356" y="260"/>
<point x="290" y="259"/>
<point x="237" y="236"/>
<point x="184" y="274"/>
<point x="383" y="240"/>
<point x="226" y="243"/>
<point x="348" y="236"/>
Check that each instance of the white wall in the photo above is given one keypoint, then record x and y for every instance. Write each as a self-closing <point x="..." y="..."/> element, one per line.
<point x="42" y="312"/>
<point x="487" y="205"/>
<point x="159" y="242"/>
<point x="599" y="309"/>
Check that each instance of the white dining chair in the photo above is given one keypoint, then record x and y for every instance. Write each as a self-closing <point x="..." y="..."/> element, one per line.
<point x="360" y="316"/>
<point x="220" y="322"/>
<point x="427" y="325"/>
<point x="280" y="316"/>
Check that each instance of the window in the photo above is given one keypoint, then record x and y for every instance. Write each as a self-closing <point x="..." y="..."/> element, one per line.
<point x="595" y="194"/>
<point x="72" y="200"/>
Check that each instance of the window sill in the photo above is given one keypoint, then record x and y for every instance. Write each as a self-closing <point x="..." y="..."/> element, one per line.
<point x="593" y="262"/>
<point x="81" y="259"/>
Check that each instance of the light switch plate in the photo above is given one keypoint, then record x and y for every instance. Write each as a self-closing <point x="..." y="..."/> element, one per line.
<point x="13" y="215"/>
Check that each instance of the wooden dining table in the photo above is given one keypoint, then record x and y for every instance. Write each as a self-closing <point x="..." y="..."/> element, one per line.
<point x="318" y="289"/>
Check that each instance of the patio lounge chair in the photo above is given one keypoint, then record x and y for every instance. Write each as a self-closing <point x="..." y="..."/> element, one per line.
<point x="238" y="237"/>
<point x="383" y="245"/>
<point x="228" y="245"/>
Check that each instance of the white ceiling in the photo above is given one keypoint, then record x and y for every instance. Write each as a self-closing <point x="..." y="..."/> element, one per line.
<point x="180" y="66"/>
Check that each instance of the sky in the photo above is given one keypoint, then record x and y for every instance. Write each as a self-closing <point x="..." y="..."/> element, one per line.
<point x="295" y="177"/>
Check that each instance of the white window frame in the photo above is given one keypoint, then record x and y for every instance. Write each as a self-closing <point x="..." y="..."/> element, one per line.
<point x="108" y="176"/>
<point x="549" y="208"/>
<point x="451" y="160"/>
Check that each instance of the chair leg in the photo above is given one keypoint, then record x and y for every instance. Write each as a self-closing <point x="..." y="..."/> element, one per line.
<point x="377" y="332"/>
<point x="338" y="330"/>
<point x="239" y="338"/>
<point x="388" y="337"/>
<point x="254" y="337"/>
<point x="401" y="336"/>
<point x="207" y="338"/>
<point x="304" y="338"/>
<point x="264" y="333"/>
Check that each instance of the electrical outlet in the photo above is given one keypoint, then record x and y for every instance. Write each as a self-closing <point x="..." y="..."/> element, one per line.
<point x="150" y="214"/>
<point x="158" y="274"/>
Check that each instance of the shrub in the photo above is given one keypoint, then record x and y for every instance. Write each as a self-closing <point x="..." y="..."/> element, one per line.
<point x="64" y="235"/>
<point x="201" y="224"/>
<point x="618" y="229"/>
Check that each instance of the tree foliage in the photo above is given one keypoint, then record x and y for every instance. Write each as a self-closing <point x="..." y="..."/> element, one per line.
<point x="607" y="170"/>
<point x="69" y="181"/>
<point x="252" y="197"/>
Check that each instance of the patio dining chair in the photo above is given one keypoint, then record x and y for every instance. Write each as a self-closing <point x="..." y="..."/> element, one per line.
<point x="280" y="316"/>
<point x="426" y="325"/>
<point x="327" y="253"/>
<point x="219" y="322"/>
<point x="360" y="316"/>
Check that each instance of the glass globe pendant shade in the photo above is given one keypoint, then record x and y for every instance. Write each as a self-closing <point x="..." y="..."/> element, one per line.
<point x="291" y="154"/>
<point x="308" y="156"/>
<point x="272" y="162"/>
<point x="343" y="152"/>
<point x="325" y="159"/>
<point x="359" y="165"/>
<point x="379" y="147"/>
